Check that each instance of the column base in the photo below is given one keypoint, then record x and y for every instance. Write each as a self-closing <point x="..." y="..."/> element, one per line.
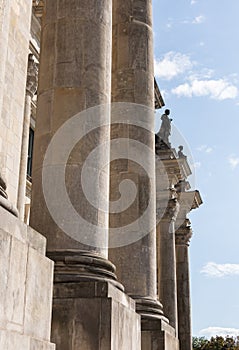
<point x="158" y="335"/>
<point x="94" y="315"/>
<point x="82" y="266"/>
<point x="149" y="308"/>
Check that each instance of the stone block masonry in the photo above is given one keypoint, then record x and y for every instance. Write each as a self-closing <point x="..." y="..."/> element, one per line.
<point x="26" y="281"/>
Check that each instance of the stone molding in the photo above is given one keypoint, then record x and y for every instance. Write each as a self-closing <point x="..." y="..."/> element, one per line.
<point x="149" y="308"/>
<point x="73" y="265"/>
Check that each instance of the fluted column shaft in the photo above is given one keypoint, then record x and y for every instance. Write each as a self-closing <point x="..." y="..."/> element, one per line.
<point x="74" y="75"/>
<point x="133" y="82"/>
<point x="167" y="281"/>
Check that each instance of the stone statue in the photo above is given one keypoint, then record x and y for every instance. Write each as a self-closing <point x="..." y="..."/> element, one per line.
<point x="180" y="152"/>
<point x="165" y="129"/>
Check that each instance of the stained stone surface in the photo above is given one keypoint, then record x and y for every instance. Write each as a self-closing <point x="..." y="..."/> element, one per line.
<point x="158" y="335"/>
<point x="94" y="315"/>
<point x="26" y="280"/>
<point x="133" y="81"/>
<point x="74" y="75"/>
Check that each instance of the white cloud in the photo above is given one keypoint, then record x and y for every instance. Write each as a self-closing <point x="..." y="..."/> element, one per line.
<point x="219" y="89"/>
<point x="220" y="331"/>
<point x="196" y="165"/>
<point x="172" y="65"/>
<point x="212" y="269"/>
<point x="199" y="19"/>
<point x="205" y="148"/>
<point x="193" y="2"/>
<point x="233" y="161"/>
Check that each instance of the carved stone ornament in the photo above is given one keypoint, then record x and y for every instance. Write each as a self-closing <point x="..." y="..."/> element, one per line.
<point x="38" y="6"/>
<point x="184" y="233"/>
<point x="32" y="76"/>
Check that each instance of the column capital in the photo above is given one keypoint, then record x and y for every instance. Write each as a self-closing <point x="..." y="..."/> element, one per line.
<point x="32" y="76"/>
<point x="184" y="233"/>
<point x="168" y="205"/>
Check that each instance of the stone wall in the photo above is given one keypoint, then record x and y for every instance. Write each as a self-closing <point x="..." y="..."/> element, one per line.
<point x="26" y="280"/>
<point x="15" y="18"/>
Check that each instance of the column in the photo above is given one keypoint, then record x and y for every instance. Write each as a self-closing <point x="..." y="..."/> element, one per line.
<point x="31" y="87"/>
<point x="74" y="75"/>
<point x="133" y="82"/>
<point x="188" y="200"/>
<point x="183" y="235"/>
<point x="167" y="282"/>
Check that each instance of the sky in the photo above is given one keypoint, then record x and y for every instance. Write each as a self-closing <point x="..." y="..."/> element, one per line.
<point x="197" y="70"/>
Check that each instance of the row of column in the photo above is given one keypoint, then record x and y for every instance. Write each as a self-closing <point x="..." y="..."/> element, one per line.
<point x="174" y="202"/>
<point x="77" y="73"/>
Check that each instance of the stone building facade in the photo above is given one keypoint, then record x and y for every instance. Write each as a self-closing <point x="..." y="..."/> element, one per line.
<point x="60" y="58"/>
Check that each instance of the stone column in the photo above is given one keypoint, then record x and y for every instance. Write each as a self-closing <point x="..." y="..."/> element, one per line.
<point x="167" y="282"/>
<point x="183" y="235"/>
<point x="31" y="87"/>
<point x="188" y="200"/>
<point x="133" y="82"/>
<point x="74" y="75"/>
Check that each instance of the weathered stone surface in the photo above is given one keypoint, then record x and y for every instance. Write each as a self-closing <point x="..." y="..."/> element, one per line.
<point x="22" y="232"/>
<point x="15" y="302"/>
<point x="39" y="282"/>
<point x="13" y="341"/>
<point x="133" y="82"/>
<point x="94" y="315"/>
<point x="75" y="74"/>
<point x="26" y="279"/>
<point x="158" y="335"/>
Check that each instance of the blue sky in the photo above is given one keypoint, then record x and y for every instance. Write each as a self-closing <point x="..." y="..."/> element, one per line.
<point x="196" y="65"/>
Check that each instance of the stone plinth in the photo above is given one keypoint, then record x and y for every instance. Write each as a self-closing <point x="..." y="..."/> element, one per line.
<point x="94" y="315"/>
<point x="158" y="335"/>
<point x="26" y="283"/>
